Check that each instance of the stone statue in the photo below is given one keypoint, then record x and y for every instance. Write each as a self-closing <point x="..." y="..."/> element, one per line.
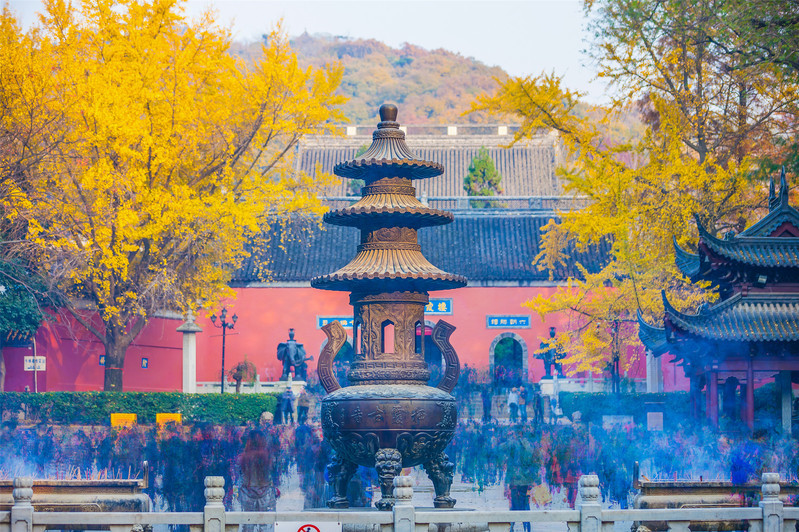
<point x="551" y="355"/>
<point x="292" y="354"/>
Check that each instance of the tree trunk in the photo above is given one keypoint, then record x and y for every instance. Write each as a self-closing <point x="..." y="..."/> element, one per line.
<point x="114" y="364"/>
<point x="117" y="340"/>
<point x="238" y="385"/>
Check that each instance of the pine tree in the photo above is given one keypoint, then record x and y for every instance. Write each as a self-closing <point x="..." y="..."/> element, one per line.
<point x="483" y="179"/>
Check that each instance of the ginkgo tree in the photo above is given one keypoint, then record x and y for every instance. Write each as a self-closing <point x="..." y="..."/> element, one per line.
<point x="142" y="157"/>
<point x="707" y="117"/>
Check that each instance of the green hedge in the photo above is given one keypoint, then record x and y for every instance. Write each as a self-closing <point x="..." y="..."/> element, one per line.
<point x="95" y="408"/>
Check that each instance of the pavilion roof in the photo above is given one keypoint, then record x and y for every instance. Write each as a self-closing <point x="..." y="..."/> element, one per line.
<point x="780" y="213"/>
<point x="766" y="317"/>
<point x="763" y="251"/>
<point x="773" y="242"/>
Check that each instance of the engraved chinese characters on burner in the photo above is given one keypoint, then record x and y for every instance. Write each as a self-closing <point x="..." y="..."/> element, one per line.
<point x="377" y="415"/>
<point x="447" y="416"/>
<point x="398" y="415"/>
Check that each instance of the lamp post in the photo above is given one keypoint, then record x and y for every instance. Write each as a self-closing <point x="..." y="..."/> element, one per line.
<point x="615" y="369"/>
<point x="224" y="325"/>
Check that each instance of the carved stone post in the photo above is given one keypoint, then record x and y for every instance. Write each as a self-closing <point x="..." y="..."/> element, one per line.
<point x="189" y="330"/>
<point x="590" y="509"/>
<point x="771" y="503"/>
<point x="404" y="513"/>
<point x="22" y="511"/>
<point x="214" y="511"/>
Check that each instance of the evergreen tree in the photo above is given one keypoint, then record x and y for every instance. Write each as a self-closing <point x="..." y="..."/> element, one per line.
<point x="483" y="179"/>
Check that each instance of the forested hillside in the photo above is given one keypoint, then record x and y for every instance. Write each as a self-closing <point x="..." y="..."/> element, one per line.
<point x="430" y="87"/>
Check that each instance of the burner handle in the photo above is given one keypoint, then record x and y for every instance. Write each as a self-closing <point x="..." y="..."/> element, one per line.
<point x="336" y="337"/>
<point x="441" y="333"/>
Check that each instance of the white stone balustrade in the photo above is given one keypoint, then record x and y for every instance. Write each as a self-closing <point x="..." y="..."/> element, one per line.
<point x="770" y="516"/>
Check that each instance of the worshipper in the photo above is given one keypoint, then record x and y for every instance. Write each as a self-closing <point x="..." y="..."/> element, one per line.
<point x="287" y="405"/>
<point x="303" y="405"/>
<point x="257" y="490"/>
<point x="513" y="405"/>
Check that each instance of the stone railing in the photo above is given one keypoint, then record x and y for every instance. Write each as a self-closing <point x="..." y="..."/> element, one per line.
<point x="769" y="516"/>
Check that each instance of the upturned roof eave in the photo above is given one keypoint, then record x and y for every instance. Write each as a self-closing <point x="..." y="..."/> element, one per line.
<point x="739" y="249"/>
<point x="653" y="338"/>
<point x="687" y="262"/>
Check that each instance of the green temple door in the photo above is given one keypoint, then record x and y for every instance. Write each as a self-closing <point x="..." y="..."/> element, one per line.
<point x="508" y="370"/>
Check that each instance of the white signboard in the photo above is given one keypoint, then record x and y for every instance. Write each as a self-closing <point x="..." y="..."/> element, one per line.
<point x="610" y="422"/>
<point x="40" y="363"/>
<point x="297" y="526"/>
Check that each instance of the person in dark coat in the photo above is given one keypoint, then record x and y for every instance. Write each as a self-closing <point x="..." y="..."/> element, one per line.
<point x="520" y="474"/>
<point x="287" y="405"/>
<point x="303" y="405"/>
<point x="485" y="395"/>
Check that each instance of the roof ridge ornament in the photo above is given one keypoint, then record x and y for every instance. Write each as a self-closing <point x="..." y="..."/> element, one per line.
<point x="783" y="200"/>
<point x="773" y="202"/>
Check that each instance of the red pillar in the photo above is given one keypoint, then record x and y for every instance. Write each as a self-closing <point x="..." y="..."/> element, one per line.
<point x="743" y="408"/>
<point x="714" y="398"/>
<point x="750" y="396"/>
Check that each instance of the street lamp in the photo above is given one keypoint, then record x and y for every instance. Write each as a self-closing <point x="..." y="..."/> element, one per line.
<point x="615" y="368"/>
<point x="224" y="325"/>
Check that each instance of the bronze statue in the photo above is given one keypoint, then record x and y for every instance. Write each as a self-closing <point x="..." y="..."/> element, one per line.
<point x="551" y="355"/>
<point x="388" y="417"/>
<point x="292" y="354"/>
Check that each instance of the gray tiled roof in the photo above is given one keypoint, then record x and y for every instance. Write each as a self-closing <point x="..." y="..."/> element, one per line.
<point x="770" y="243"/>
<point x="765" y="318"/>
<point x="527" y="169"/>
<point x="769" y="252"/>
<point x="485" y="248"/>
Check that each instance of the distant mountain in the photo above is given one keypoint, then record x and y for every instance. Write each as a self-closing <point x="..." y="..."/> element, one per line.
<point x="430" y="87"/>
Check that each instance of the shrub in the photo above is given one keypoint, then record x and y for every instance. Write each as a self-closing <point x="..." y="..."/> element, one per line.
<point x="95" y="408"/>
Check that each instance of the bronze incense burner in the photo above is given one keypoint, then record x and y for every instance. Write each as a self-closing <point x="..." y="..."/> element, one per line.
<point x="389" y="418"/>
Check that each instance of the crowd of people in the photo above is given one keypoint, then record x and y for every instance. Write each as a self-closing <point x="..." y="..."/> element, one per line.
<point x="533" y="460"/>
<point x="516" y="442"/>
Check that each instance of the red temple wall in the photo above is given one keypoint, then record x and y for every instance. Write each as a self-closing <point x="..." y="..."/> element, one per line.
<point x="264" y="317"/>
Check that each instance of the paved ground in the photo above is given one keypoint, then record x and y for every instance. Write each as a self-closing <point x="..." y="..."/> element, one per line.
<point x="467" y="495"/>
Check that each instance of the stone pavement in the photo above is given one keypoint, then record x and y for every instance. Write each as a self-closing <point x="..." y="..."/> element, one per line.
<point x="467" y="495"/>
